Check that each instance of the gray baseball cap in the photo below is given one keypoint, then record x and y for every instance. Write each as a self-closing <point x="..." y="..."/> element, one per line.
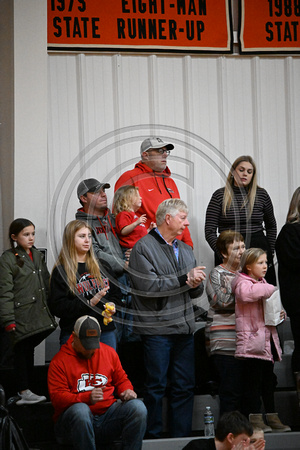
<point x="155" y="142"/>
<point x="88" y="330"/>
<point x="90" y="185"/>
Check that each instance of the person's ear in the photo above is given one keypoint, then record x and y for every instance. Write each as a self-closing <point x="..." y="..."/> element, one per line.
<point x="145" y="156"/>
<point x="14" y="237"/>
<point x="83" y="199"/>
<point x="248" y="268"/>
<point x="224" y="255"/>
<point x="230" y="438"/>
<point x="167" y="218"/>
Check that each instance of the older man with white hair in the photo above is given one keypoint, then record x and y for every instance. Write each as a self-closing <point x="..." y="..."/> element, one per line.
<point x="165" y="278"/>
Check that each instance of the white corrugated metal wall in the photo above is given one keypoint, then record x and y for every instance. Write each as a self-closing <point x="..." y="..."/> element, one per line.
<point x="213" y="108"/>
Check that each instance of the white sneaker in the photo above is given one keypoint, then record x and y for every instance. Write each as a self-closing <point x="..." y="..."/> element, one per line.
<point x="29" y="398"/>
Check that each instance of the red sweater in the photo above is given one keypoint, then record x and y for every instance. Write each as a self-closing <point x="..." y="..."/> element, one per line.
<point x="154" y="188"/>
<point x="71" y="378"/>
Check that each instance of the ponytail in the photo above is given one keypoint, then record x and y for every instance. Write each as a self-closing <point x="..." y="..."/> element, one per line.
<point x="15" y="228"/>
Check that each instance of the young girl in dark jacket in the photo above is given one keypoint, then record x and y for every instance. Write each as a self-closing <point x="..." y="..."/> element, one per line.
<point x="24" y="313"/>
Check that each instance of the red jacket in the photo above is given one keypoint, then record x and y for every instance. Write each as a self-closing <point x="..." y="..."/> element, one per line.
<point x="71" y="378"/>
<point x="154" y="188"/>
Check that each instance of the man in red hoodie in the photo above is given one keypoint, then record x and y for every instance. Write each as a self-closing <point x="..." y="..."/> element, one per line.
<point x="153" y="178"/>
<point x="82" y="379"/>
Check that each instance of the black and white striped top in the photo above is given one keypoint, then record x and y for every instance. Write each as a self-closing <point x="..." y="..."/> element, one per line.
<point x="237" y="217"/>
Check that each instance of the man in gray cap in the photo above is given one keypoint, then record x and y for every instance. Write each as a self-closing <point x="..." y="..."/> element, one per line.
<point x="92" y="196"/>
<point x="83" y="378"/>
<point x="153" y="178"/>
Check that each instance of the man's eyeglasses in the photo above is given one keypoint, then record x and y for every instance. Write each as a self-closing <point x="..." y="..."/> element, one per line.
<point x="161" y="151"/>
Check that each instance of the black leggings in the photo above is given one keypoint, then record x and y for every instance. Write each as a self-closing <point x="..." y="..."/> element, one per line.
<point x="259" y="381"/>
<point x="24" y="360"/>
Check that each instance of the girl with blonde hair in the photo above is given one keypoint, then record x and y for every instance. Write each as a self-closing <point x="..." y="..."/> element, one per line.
<point x="257" y="344"/>
<point x="77" y="287"/>
<point x="245" y="207"/>
<point x="129" y="226"/>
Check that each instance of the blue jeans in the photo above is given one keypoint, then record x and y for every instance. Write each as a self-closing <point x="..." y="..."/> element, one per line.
<point x="78" y="426"/>
<point x="108" y="337"/>
<point x="171" y="355"/>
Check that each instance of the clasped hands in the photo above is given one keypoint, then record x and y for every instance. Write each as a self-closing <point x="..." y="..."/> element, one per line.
<point x="195" y="276"/>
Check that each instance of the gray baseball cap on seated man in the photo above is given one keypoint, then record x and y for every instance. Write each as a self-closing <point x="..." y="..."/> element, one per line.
<point x="90" y="185"/>
<point x="88" y="331"/>
<point x="155" y="143"/>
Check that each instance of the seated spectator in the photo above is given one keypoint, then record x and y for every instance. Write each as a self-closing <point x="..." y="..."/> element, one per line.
<point x="258" y="437"/>
<point x="77" y="287"/>
<point x="82" y="379"/>
<point x="233" y="431"/>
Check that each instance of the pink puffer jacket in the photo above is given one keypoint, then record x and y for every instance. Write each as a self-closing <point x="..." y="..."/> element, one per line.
<point x="253" y="337"/>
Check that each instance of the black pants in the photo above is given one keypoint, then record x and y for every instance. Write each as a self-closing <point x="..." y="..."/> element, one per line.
<point x="24" y="360"/>
<point x="258" y="382"/>
<point x="295" y="326"/>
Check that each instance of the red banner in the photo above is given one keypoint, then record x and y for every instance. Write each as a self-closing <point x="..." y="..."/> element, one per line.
<point x="140" y="25"/>
<point x="268" y="26"/>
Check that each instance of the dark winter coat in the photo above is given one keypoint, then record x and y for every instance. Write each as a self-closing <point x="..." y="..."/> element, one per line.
<point x="23" y="294"/>
<point x="288" y="257"/>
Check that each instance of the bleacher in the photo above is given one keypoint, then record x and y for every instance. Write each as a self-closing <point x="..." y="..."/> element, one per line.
<point x="37" y="426"/>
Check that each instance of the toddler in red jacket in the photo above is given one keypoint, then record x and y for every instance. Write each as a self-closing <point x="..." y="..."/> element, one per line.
<point x="257" y="343"/>
<point x="129" y="226"/>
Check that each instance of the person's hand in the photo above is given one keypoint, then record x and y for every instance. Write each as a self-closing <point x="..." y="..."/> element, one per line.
<point x="129" y="394"/>
<point x="282" y="314"/>
<point x="96" y="395"/>
<point x="96" y="299"/>
<point x="151" y="226"/>
<point x="127" y="254"/>
<point x="141" y="219"/>
<point x="260" y="444"/>
<point x="243" y="445"/>
<point x="195" y="276"/>
<point x="12" y="329"/>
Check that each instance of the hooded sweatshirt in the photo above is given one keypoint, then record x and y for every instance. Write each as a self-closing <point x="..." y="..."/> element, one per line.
<point x="71" y="378"/>
<point x="154" y="188"/>
<point x="105" y="241"/>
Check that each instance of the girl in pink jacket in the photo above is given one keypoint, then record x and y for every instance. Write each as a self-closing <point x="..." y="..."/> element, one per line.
<point x="257" y="343"/>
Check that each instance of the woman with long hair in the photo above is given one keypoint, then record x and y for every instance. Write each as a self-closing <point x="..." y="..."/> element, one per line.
<point x="77" y="287"/>
<point x="245" y="207"/>
<point x="288" y="256"/>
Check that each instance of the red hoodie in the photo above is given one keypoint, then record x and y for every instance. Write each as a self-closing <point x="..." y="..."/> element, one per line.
<point x="71" y="378"/>
<point x="154" y="188"/>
